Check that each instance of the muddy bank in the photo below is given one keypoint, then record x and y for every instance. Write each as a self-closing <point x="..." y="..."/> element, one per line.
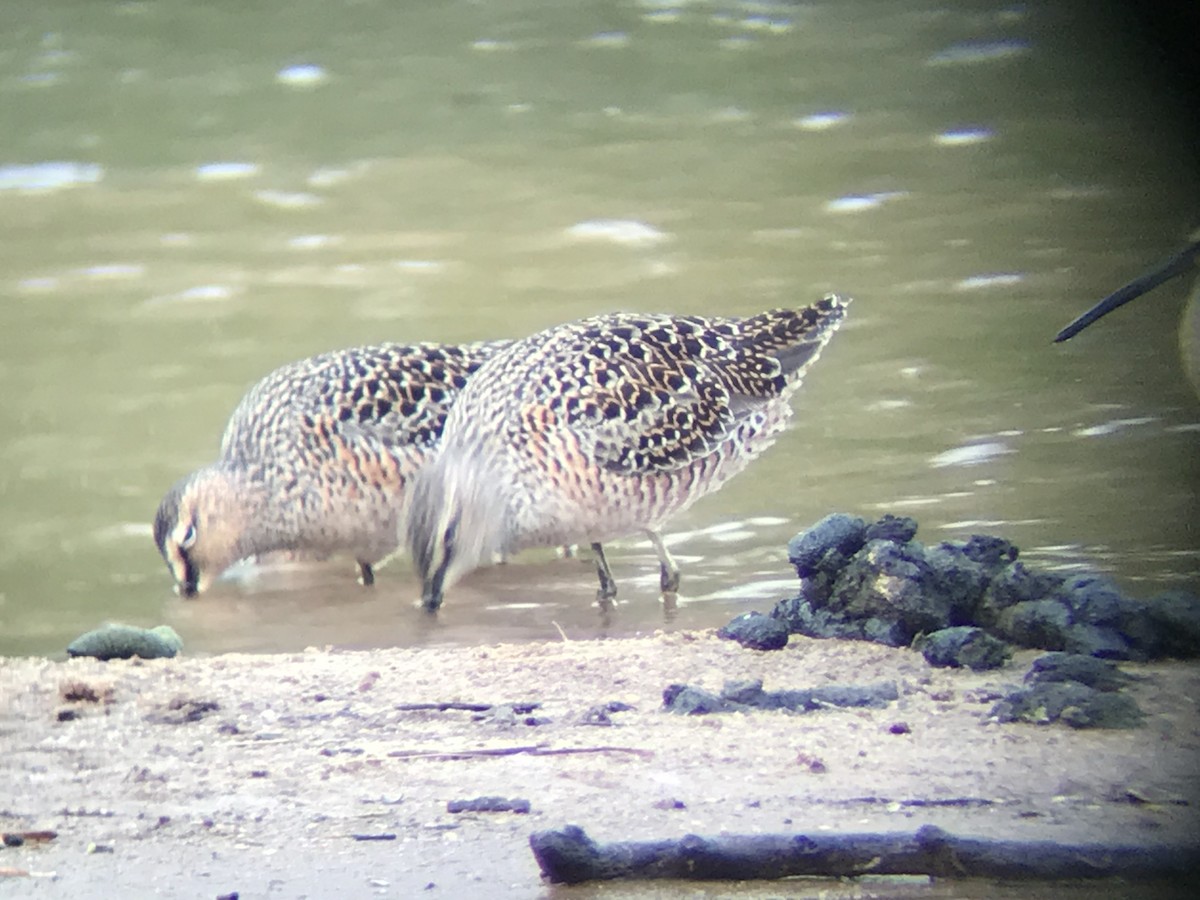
<point x="299" y="775"/>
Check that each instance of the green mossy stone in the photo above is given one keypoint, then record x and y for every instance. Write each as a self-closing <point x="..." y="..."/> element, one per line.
<point x="126" y="642"/>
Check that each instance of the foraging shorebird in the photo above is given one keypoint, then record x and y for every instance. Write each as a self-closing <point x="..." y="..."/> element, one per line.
<point x="1189" y="331"/>
<point x="315" y="459"/>
<point x="605" y="427"/>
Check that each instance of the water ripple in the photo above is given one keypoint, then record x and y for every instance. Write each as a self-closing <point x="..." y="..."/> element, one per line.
<point x="970" y="454"/>
<point x="974" y="52"/>
<point x="996" y="279"/>
<point x="304" y="75"/>
<point x="48" y="176"/>
<point x="619" y="231"/>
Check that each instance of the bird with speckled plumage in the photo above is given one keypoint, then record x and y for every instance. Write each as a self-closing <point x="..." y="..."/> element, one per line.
<point x="605" y="427"/>
<point x="315" y="460"/>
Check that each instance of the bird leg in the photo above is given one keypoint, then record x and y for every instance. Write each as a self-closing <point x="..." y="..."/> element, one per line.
<point x="368" y="574"/>
<point x="608" y="587"/>
<point x="668" y="569"/>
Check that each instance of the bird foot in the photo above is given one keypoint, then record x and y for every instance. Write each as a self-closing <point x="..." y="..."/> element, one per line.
<point x="368" y="574"/>
<point x="669" y="582"/>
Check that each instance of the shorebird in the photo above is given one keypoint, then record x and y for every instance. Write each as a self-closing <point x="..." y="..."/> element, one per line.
<point x="1189" y="332"/>
<point x="315" y="459"/>
<point x="605" y="427"/>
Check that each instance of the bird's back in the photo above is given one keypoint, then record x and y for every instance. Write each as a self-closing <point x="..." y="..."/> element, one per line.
<point x="393" y="396"/>
<point x="333" y="440"/>
<point x="613" y="423"/>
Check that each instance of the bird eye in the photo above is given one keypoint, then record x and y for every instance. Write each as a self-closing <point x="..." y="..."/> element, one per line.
<point x="189" y="537"/>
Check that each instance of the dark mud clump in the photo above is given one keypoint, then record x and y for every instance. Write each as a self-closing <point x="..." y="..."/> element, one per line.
<point x="740" y="696"/>
<point x="875" y="581"/>
<point x="1081" y="691"/>
<point x="756" y="632"/>
<point x="517" y="805"/>
<point x="963" y="646"/>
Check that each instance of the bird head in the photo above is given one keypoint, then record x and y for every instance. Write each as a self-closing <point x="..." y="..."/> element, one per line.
<point x="454" y="520"/>
<point x="199" y="528"/>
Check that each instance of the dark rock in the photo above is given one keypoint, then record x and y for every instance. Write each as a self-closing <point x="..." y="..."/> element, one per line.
<point x="1176" y="618"/>
<point x="802" y="616"/>
<point x="894" y="583"/>
<point x="1086" y="670"/>
<point x="1079" y="690"/>
<point x="1071" y="702"/>
<point x="818" y="588"/>
<point x="960" y="578"/>
<point x="1012" y="585"/>
<point x="1036" y="623"/>
<point x="756" y="632"/>
<point x="1091" y="599"/>
<point x="827" y="545"/>
<point x="1104" y="710"/>
<point x="690" y="701"/>
<point x="1140" y="629"/>
<point x="749" y="694"/>
<point x="875" y="696"/>
<point x="876" y="582"/>
<point x="489" y="804"/>
<point x="1042" y="705"/>
<point x="993" y="553"/>
<point x="897" y="529"/>
<point x="963" y="646"/>
<point x="1097" y="640"/>
<point x="890" y="634"/>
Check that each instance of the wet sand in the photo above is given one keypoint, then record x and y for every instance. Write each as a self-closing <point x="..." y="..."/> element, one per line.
<point x="259" y="774"/>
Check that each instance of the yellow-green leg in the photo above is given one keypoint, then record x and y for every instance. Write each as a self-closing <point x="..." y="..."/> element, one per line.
<point x="668" y="569"/>
<point x="608" y="587"/>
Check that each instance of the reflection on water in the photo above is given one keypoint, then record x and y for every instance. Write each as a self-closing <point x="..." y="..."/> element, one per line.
<point x="190" y="196"/>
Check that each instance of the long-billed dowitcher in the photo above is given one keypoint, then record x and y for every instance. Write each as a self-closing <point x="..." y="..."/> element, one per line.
<point x="605" y="427"/>
<point x="1189" y="329"/>
<point x="315" y="459"/>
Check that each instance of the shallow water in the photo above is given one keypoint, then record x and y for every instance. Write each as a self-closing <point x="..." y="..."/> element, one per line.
<point x="190" y="197"/>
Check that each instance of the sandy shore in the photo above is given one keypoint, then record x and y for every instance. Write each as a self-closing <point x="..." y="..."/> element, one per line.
<point x="199" y="777"/>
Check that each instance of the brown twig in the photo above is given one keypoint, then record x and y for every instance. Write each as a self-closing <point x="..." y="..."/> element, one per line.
<point x="16" y="838"/>
<point x="8" y="872"/>
<point x="531" y="749"/>
<point x="467" y="707"/>
<point x="569" y="856"/>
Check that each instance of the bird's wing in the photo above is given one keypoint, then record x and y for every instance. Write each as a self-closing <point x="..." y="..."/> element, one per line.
<point x="400" y="395"/>
<point x="387" y="396"/>
<point x="655" y="393"/>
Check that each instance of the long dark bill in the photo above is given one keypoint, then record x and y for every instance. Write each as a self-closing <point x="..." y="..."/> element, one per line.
<point x="1178" y="264"/>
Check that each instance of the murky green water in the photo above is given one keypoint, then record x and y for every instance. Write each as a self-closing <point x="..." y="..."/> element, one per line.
<point x="974" y="174"/>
